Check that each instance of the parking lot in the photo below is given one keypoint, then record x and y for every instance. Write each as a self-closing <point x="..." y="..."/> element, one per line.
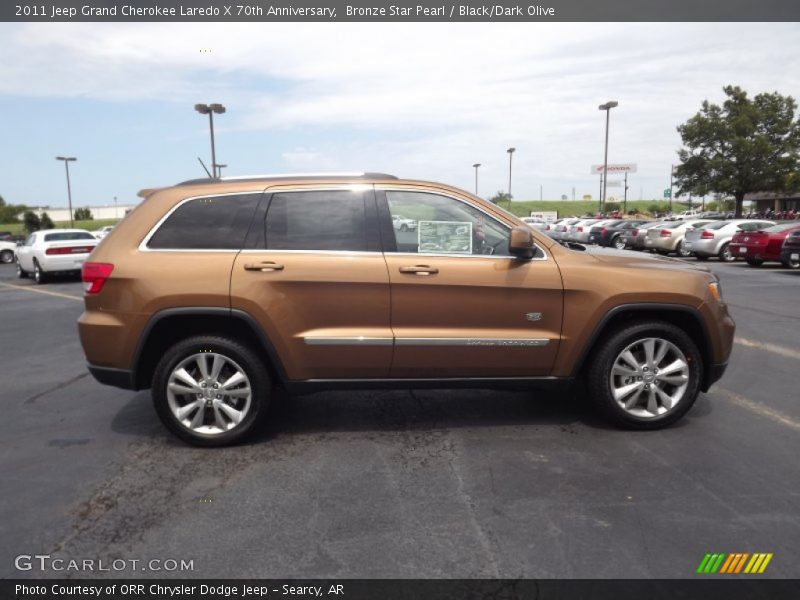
<point x="402" y="484"/>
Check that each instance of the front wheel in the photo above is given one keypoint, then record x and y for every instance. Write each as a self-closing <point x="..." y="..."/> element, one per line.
<point x="21" y="273"/>
<point x="6" y="257"/>
<point x="210" y="391"/>
<point x="646" y="375"/>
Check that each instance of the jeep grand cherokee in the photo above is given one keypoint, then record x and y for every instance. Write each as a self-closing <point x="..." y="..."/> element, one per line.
<point x="213" y="291"/>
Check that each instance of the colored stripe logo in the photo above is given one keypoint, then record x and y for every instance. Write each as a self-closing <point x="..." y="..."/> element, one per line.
<point x="737" y="562"/>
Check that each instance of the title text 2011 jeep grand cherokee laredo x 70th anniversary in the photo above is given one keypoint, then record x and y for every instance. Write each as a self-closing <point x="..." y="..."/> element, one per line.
<point x="212" y="291"/>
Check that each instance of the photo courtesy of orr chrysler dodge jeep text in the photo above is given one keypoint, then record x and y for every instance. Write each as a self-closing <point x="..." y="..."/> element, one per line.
<point x="213" y="291"/>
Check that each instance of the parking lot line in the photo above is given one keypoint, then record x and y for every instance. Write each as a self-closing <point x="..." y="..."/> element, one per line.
<point x="27" y="288"/>
<point x="774" y="348"/>
<point x="759" y="409"/>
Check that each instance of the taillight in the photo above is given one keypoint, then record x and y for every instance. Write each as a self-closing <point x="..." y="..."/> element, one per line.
<point x="94" y="276"/>
<point x="70" y="250"/>
<point x="707" y="235"/>
<point x="634" y="232"/>
<point x="666" y="233"/>
<point x="579" y="229"/>
<point x="603" y="231"/>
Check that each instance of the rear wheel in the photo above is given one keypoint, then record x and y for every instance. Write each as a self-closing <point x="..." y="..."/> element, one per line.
<point x="791" y="264"/>
<point x="619" y="242"/>
<point x="755" y="262"/>
<point x="38" y="275"/>
<point x="725" y="253"/>
<point x="681" y="251"/>
<point x="646" y="375"/>
<point x="210" y="391"/>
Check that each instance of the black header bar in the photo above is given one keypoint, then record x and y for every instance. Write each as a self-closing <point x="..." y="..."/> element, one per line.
<point x="400" y="10"/>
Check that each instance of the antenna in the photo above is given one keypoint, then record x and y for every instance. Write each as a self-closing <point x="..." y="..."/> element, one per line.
<point x="210" y="176"/>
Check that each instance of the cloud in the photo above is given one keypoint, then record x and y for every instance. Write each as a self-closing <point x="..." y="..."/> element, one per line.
<point x="426" y="100"/>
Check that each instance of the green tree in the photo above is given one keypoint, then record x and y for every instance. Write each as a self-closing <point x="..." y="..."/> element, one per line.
<point x="501" y="197"/>
<point x="31" y="221"/>
<point x="46" y="222"/>
<point x="746" y="145"/>
<point x="83" y="214"/>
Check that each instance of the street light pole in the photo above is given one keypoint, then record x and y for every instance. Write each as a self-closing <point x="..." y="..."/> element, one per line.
<point x="210" y="109"/>
<point x="510" y="154"/>
<point x="67" y="160"/>
<point x="671" y="171"/>
<point x="625" y="201"/>
<point x="606" y="107"/>
<point x="476" y="165"/>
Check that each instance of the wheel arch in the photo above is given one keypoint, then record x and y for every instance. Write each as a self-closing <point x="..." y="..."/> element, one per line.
<point x="686" y="317"/>
<point x="171" y="325"/>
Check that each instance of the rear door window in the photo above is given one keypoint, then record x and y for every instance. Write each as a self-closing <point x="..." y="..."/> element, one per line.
<point x="327" y="220"/>
<point x="208" y="223"/>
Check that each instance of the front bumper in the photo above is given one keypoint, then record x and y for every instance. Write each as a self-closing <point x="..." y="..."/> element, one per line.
<point x="715" y="373"/>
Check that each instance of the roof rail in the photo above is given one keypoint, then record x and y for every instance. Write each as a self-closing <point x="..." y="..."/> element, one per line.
<point x="283" y="176"/>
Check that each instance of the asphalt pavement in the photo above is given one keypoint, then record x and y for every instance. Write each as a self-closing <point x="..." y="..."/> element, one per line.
<point x="455" y="483"/>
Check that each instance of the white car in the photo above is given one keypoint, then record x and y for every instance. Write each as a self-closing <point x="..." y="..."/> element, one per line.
<point x="402" y="224"/>
<point x="534" y="223"/>
<point x="54" y="251"/>
<point x="7" y="252"/>
<point x="102" y="232"/>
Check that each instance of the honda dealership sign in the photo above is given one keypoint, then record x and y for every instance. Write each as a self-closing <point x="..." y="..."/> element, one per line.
<point x="615" y="169"/>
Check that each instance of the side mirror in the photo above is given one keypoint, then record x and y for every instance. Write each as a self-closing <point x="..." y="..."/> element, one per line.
<point x="521" y="244"/>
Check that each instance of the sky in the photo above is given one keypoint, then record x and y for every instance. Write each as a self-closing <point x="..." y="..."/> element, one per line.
<point x="418" y="100"/>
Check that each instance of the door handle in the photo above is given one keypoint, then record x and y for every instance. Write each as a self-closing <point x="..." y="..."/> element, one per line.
<point x="263" y="266"/>
<point x="420" y="270"/>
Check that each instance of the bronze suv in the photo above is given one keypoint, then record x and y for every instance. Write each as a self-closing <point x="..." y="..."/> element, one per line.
<point x="213" y="291"/>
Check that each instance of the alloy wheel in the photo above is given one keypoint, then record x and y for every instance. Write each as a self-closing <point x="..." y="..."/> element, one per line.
<point x="619" y="243"/>
<point x="649" y="377"/>
<point x="209" y="393"/>
<point x="7" y="257"/>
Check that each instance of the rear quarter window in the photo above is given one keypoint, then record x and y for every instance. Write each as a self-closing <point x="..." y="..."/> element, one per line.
<point x="208" y="223"/>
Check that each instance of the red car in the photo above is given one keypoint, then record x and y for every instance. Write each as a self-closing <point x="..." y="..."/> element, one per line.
<point x="758" y="247"/>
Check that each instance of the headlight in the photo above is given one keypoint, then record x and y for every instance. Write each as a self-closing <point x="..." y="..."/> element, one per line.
<point x="716" y="290"/>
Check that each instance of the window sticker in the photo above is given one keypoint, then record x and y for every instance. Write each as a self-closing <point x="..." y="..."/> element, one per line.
<point x="450" y="237"/>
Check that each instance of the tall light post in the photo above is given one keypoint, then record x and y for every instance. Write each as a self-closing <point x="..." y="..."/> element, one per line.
<point x="210" y="109"/>
<point x="606" y="107"/>
<point x="476" y="165"/>
<point x="510" y="154"/>
<point x="67" y="160"/>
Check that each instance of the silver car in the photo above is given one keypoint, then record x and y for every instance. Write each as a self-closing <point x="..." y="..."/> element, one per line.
<point x="561" y="230"/>
<point x="714" y="239"/>
<point x="579" y="232"/>
<point x="670" y="236"/>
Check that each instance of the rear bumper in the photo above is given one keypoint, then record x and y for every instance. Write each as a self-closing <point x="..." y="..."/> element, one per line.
<point x="121" y="378"/>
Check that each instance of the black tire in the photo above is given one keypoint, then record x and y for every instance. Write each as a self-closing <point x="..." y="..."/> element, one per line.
<point x="254" y="369"/>
<point x="681" y="251"/>
<point x="725" y="254"/>
<point x="755" y="262"/>
<point x="21" y="273"/>
<point x="6" y="257"/>
<point x="791" y="264"/>
<point x="602" y="362"/>
<point x="39" y="276"/>
<point x="618" y="242"/>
